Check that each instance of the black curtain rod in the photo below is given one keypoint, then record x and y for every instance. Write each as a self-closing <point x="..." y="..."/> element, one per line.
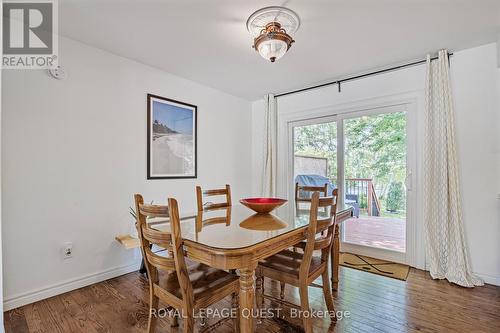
<point x="339" y="82"/>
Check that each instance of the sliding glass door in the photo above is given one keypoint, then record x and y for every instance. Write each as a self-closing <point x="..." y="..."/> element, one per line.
<point x="365" y="155"/>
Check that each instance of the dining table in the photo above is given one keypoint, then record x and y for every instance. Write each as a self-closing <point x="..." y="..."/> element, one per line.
<point x="237" y="238"/>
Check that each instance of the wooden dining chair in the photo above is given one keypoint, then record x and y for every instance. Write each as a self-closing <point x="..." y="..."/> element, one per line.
<point x="333" y="213"/>
<point x="311" y="189"/>
<point x="298" y="200"/>
<point x="304" y="188"/>
<point x="182" y="284"/>
<point x="210" y="193"/>
<point x="301" y="269"/>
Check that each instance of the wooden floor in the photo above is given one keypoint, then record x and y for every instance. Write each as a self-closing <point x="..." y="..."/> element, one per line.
<point x="374" y="231"/>
<point x="375" y="303"/>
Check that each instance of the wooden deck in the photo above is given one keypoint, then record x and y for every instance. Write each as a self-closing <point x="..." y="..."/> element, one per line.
<point x="380" y="232"/>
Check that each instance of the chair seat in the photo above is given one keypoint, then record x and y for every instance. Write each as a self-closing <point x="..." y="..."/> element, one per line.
<point x="204" y="279"/>
<point x="288" y="262"/>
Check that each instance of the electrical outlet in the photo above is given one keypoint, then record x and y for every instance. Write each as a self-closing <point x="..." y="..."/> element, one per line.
<point x="68" y="250"/>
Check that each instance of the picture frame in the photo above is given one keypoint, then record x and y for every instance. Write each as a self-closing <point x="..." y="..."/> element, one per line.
<point x="171" y="138"/>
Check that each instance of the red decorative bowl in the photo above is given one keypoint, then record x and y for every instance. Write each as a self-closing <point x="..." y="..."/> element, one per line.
<point x="263" y="205"/>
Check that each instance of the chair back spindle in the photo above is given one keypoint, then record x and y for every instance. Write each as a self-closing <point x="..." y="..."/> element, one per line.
<point x="226" y="191"/>
<point x="310" y="189"/>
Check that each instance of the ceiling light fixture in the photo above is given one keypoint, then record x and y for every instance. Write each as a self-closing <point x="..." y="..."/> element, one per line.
<point x="272" y="28"/>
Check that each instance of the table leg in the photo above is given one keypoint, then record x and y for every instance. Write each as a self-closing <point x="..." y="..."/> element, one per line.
<point x="247" y="295"/>
<point x="335" y="257"/>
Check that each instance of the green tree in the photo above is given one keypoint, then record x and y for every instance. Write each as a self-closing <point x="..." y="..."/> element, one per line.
<point x="319" y="140"/>
<point x="376" y="148"/>
<point x="395" y="197"/>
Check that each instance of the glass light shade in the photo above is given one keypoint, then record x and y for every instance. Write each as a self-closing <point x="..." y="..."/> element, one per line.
<point x="272" y="49"/>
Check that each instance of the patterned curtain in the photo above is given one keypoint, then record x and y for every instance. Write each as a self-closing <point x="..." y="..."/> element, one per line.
<point x="447" y="251"/>
<point x="270" y="143"/>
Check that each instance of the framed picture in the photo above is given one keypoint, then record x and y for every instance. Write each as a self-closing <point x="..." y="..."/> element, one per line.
<point x="171" y="138"/>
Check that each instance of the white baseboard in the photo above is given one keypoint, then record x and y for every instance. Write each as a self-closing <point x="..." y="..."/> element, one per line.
<point x="495" y="280"/>
<point x="63" y="287"/>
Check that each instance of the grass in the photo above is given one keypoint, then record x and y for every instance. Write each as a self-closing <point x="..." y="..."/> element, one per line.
<point x="396" y="215"/>
<point x="384" y="213"/>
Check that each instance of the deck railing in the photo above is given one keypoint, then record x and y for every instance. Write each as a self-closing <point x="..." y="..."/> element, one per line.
<point x="363" y="190"/>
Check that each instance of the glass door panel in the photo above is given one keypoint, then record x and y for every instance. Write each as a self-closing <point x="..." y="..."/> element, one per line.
<point x="315" y="150"/>
<point x="375" y="170"/>
<point x="314" y="155"/>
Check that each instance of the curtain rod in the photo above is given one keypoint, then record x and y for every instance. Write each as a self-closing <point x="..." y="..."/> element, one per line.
<point x="339" y="82"/>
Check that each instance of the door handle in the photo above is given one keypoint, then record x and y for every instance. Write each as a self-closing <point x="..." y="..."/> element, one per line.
<point x="408" y="180"/>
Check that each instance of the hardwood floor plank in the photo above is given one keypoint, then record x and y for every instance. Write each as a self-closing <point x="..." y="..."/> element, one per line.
<point x="118" y="313"/>
<point x="137" y="293"/>
<point x="15" y="321"/>
<point x="411" y="311"/>
<point x="33" y="318"/>
<point x="444" y="305"/>
<point x="376" y="304"/>
<point x="89" y="312"/>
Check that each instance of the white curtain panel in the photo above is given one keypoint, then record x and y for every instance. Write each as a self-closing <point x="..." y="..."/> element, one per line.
<point x="270" y="143"/>
<point x="447" y="251"/>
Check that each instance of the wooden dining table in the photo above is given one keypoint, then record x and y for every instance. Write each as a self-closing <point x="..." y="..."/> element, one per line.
<point x="237" y="238"/>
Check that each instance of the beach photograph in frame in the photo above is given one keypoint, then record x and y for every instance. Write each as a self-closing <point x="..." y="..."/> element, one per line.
<point x="171" y="138"/>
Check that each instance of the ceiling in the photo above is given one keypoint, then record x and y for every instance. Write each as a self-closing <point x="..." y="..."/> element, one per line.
<point x="207" y="41"/>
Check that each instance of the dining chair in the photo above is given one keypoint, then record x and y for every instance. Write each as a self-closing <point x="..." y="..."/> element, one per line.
<point x="301" y="269"/>
<point x="210" y="193"/>
<point x="306" y="188"/>
<point x="298" y="200"/>
<point x="207" y="206"/>
<point x="182" y="284"/>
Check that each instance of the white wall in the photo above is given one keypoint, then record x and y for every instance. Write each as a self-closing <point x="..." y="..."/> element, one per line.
<point x="74" y="153"/>
<point x="498" y="50"/>
<point x="498" y="117"/>
<point x="476" y="86"/>
<point x="1" y="270"/>
<point x="475" y="81"/>
<point x="1" y="265"/>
